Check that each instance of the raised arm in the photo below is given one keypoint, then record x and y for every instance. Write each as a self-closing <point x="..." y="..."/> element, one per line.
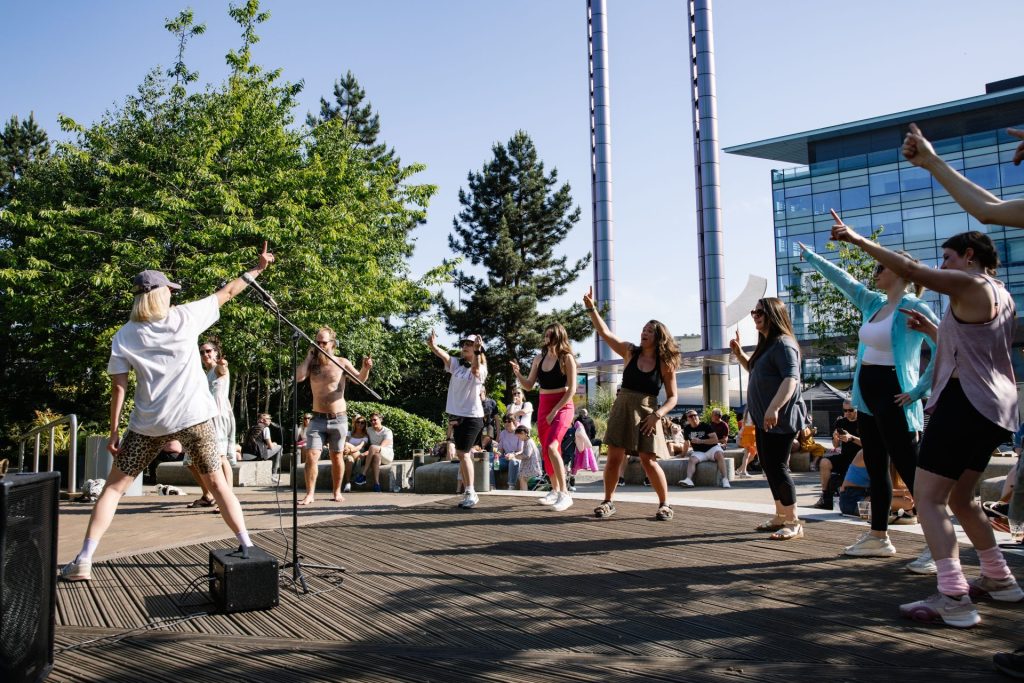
<point x="437" y="350"/>
<point x="614" y="343"/>
<point x="478" y="350"/>
<point x="975" y="200"/>
<point x="238" y="285"/>
<point x="302" y="371"/>
<point x="852" y="289"/>
<point x="526" y="383"/>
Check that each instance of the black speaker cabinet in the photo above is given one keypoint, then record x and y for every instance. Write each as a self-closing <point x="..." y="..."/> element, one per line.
<point x="28" y="574"/>
<point x="243" y="584"/>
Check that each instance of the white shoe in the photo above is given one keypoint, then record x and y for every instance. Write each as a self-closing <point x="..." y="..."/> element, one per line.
<point x="563" y="502"/>
<point x="726" y="484"/>
<point x="870" y="546"/>
<point x="470" y="501"/>
<point x="549" y="499"/>
<point x="347" y="489"/>
<point x="924" y="564"/>
<point x="688" y="483"/>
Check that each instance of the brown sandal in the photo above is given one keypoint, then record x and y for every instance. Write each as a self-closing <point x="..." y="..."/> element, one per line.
<point x="202" y="502"/>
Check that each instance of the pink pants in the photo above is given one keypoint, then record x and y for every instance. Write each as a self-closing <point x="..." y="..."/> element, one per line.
<point x="553" y="433"/>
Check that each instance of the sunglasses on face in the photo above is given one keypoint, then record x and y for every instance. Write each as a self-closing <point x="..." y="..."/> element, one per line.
<point x="849" y="410"/>
<point x="757" y="312"/>
<point x="205" y="350"/>
<point x="878" y="269"/>
<point x="321" y="342"/>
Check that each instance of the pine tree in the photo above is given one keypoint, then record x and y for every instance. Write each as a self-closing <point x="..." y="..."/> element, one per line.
<point x="20" y="143"/>
<point x="513" y="217"/>
<point x="348" y="107"/>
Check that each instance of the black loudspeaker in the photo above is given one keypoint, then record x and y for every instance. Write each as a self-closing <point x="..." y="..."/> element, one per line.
<point x="240" y="584"/>
<point x="28" y="574"/>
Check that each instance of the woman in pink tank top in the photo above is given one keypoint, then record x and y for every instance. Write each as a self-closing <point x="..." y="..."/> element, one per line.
<point x="973" y="409"/>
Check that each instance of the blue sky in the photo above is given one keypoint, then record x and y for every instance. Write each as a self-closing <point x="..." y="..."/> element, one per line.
<point x="451" y="77"/>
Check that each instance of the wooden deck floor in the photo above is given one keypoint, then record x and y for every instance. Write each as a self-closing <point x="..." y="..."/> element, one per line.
<point x="512" y="591"/>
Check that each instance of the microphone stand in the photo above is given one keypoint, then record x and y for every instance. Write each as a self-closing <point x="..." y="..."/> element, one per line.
<point x="296" y="564"/>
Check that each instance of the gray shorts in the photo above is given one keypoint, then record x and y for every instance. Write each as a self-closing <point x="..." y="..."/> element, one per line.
<point x="333" y="431"/>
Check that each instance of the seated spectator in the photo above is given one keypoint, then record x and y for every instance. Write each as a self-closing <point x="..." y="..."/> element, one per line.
<point x="804" y="441"/>
<point x="381" y="450"/>
<point x="510" y="448"/>
<point x="590" y="427"/>
<point x="520" y="409"/>
<point x="529" y="460"/>
<point x="855" y="487"/>
<point x="748" y="442"/>
<point x="704" y="443"/>
<point x="675" y="439"/>
<point x="300" y="432"/>
<point x="258" y="442"/>
<point x="846" y="438"/>
<point x="353" y="451"/>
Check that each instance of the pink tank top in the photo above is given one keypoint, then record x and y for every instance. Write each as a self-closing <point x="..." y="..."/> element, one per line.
<point x="980" y="354"/>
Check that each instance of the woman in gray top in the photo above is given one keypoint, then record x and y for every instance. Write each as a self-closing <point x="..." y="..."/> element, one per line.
<point x="774" y="403"/>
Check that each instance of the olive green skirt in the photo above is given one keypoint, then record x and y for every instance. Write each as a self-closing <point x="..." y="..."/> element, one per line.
<point x="628" y="411"/>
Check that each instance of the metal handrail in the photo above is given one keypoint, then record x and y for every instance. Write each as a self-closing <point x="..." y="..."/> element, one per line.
<point x="36" y="433"/>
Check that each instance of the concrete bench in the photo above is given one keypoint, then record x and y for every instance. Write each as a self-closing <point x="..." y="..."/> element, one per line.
<point x="675" y="470"/>
<point x="394" y="477"/>
<point x="245" y="473"/>
<point x="443" y="477"/>
<point x="990" y="486"/>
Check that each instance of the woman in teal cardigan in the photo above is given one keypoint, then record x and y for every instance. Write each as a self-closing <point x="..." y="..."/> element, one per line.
<point x="887" y="387"/>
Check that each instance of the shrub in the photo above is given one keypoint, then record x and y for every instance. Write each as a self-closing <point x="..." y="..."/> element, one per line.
<point x="728" y="415"/>
<point x="410" y="431"/>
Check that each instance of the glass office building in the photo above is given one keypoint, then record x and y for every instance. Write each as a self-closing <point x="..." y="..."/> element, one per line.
<point x="856" y="168"/>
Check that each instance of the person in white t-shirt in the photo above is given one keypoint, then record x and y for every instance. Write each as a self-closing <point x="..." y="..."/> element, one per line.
<point x="468" y="374"/>
<point x="381" y="450"/>
<point x="172" y="400"/>
<point x="520" y="409"/>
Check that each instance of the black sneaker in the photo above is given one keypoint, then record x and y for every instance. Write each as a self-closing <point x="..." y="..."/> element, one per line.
<point x="622" y="481"/>
<point x="823" y="504"/>
<point x="647" y="482"/>
<point x="1010" y="663"/>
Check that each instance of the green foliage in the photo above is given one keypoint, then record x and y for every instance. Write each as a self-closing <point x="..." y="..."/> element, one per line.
<point x="410" y="431"/>
<point x="513" y="216"/>
<point x="604" y="399"/>
<point x="348" y="108"/>
<point x="834" y="321"/>
<point x="192" y="184"/>
<point x="727" y="414"/>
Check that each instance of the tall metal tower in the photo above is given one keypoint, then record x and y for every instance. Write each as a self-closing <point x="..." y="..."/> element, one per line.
<point x="601" y="175"/>
<point x="709" y="208"/>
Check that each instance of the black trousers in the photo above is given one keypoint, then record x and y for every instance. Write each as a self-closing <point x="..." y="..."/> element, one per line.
<point x="884" y="436"/>
<point x="773" y="452"/>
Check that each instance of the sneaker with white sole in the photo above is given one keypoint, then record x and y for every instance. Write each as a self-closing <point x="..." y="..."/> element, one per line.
<point x="959" y="612"/>
<point x="549" y="499"/>
<point x="348" y="488"/>
<point x="465" y="497"/>
<point x="469" y="501"/>
<point x="688" y="483"/>
<point x="1002" y="590"/>
<point x="77" y="570"/>
<point x="924" y="564"/>
<point x="563" y="502"/>
<point x="870" y="546"/>
<point x="726" y="484"/>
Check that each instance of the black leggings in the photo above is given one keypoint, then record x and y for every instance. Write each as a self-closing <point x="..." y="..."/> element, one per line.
<point x="883" y="435"/>
<point x="773" y="452"/>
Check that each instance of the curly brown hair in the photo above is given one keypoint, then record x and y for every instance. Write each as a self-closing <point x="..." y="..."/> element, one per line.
<point x="665" y="345"/>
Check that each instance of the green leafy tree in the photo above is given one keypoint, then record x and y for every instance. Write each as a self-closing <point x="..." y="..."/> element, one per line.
<point x="834" y="321"/>
<point x="513" y="217"/>
<point x="192" y="183"/>
<point x="21" y="142"/>
<point x="348" y="108"/>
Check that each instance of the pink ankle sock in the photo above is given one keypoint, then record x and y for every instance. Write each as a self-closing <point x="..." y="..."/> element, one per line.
<point x="993" y="565"/>
<point x="951" y="577"/>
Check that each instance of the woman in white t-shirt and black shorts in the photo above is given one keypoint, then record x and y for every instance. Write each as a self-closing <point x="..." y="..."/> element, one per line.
<point x="464" y="407"/>
<point x="172" y="400"/>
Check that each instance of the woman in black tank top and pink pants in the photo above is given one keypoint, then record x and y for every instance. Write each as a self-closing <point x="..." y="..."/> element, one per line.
<point x="635" y="420"/>
<point x="973" y="409"/>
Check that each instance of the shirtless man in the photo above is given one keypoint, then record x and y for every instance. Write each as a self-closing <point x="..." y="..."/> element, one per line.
<point x="329" y="423"/>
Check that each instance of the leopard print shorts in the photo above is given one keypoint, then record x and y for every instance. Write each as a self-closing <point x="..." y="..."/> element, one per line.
<point x="199" y="441"/>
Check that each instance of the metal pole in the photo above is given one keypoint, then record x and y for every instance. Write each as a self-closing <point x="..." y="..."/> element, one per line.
<point x="601" y="177"/>
<point x="709" y="210"/>
<point x="73" y="455"/>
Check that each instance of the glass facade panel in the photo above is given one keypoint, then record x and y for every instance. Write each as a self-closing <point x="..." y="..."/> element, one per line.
<point x="823" y="201"/>
<point x="1015" y="251"/>
<point x="986" y="176"/>
<point x="855" y="198"/>
<point x="798" y="207"/>
<point x="885" y="183"/>
<point x="1011" y="175"/>
<point x="950" y="224"/>
<point x="919" y="229"/>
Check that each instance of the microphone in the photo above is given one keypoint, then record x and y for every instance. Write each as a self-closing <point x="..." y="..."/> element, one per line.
<point x="251" y="281"/>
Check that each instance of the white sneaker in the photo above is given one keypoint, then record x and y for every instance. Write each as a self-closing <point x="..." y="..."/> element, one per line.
<point x="549" y="499"/>
<point x="871" y="546"/>
<point x="347" y="489"/>
<point x="470" y="501"/>
<point x="688" y="483"/>
<point x="726" y="484"/>
<point x="924" y="564"/>
<point x="563" y="502"/>
<point x="959" y="612"/>
<point x="77" y="570"/>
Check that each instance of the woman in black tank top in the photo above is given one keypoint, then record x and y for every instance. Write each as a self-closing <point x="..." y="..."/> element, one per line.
<point x="555" y="372"/>
<point x="634" y="423"/>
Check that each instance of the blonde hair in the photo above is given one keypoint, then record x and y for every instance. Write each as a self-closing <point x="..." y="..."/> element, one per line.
<point x="151" y="306"/>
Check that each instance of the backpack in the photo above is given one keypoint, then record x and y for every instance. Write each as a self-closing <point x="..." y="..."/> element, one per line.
<point x="254" y="443"/>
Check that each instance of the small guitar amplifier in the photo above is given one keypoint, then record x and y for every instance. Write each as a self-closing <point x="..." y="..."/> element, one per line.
<point x="240" y="584"/>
